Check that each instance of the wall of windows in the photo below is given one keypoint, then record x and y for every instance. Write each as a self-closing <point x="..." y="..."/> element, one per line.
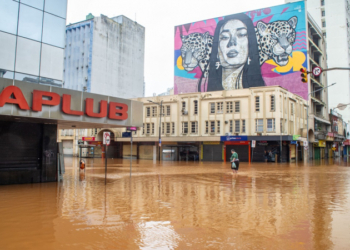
<point x="32" y="40"/>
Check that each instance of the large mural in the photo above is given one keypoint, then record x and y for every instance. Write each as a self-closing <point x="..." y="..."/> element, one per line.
<point x="257" y="48"/>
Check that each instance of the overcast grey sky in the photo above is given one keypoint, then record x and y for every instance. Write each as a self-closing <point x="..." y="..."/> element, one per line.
<point x="159" y="18"/>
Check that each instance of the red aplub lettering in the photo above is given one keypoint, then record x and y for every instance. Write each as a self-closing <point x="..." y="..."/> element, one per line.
<point x="14" y="95"/>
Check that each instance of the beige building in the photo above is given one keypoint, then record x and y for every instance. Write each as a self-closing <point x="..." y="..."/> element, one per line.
<point x="206" y="125"/>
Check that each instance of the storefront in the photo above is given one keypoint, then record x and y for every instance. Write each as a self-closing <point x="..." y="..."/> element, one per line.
<point x="31" y="114"/>
<point x="212" y="151"/>
<point x="240" y="144"/>
<point x="319" y="150"/>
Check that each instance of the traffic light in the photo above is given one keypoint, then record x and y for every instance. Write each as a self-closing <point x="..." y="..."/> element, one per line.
<point x="303" y="74"/>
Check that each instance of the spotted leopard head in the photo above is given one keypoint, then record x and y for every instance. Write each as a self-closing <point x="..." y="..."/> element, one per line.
<point x="195" y="50"/>
<point x="276" y="40"/>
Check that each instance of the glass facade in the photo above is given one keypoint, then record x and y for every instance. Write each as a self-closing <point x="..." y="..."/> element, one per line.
<point x="32" y="40"/>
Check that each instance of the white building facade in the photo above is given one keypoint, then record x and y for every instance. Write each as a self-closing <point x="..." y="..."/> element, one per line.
<point x="333" y="16"/>
<point x="105" y="56"/>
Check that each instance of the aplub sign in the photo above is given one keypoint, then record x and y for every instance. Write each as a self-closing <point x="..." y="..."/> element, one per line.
<point x="67" y="107"/>
<point x="14" y="95"/>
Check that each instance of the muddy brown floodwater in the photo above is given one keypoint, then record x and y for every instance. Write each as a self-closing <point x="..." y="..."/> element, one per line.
<point x="181" y="205"/>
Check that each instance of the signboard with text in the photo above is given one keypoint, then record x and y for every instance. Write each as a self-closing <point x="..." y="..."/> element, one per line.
<point x="234" y="138"/>
<point x="106" y="138"/>
<point x="91" y="138"/>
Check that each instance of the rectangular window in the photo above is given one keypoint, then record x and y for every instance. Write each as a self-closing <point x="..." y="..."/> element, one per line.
<point x="154" y="111"/>
<point x="219" y="107"/>
<point x="168" y="110"/>
<point x="212" y="127"/>
<point x="259" y="125"/>
<point x="163" y="111"/>
<point x="152" y="128"/>
<point x="143" y="129"/>
<point x="292" y="109"/>
<point x="168" y="127"/>
<point x="257" y="104"/>
<point x="229" y="107"/>
<point x="322" y="2"/>
<point x="323" y="13"/>
<point x="195" y="106"/>
<point x="162" y="128"/>
<point x="147" y="128"/>
<point x="237" y="126"/>
<point x="243" y="126"/>
<point x="237" y="107"/>
<point x="218" y="127"/>
<point x="173" y="128"/>
<point x="148" y="112"/>
<point x="323" y="24"/>
<point x="291" y="127"/>
<point x="270" y="125"/>
<point x="272" y="103"/>
<point x="231" y="126"/>
<point x="194" y="127"/>
<point x="185" y="127"/>
<point x="183" y="106"/>
<point x="212" y="108"/>
<point x="206" y="127"/>
<point x="281" y="126"/>
<point x="325" y="34"/>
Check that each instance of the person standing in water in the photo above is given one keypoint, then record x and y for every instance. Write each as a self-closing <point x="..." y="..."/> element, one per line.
<point x="234" y="159"/>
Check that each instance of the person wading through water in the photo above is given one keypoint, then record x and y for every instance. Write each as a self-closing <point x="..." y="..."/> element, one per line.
<point x="234" y="161"/>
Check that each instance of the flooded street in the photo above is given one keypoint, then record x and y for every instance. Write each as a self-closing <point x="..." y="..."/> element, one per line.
<point x="180" y="205"/>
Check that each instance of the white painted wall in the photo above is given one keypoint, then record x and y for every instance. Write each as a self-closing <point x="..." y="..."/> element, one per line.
<point x="106" y="56"/>
<point x="118" y="57"/>
<point x="338" y="43"/>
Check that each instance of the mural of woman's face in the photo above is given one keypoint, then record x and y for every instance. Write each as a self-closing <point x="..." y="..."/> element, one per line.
<point x="233" y="44"/>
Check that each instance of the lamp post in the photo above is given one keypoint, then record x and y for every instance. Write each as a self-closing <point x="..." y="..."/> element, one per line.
<point x="160" y="122"/>
<point x="307" y="113"/>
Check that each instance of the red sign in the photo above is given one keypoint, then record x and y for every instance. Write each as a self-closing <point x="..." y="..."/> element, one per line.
<point x="330" y="134"/>
<point x="14" y="95"/>
<point x="91" y="138"/>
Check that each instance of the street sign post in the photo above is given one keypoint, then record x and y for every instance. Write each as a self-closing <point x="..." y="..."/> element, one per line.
<point x="106" y="142"/>
<point x="316" y="71"/>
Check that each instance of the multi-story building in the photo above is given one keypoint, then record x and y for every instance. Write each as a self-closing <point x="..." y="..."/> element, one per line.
<point x="32" y="41"/>
<point x="319" y="124"/>
<point x="334" y="19"/>
<point x="206" y="126"/>
<point x="105" y="56"/>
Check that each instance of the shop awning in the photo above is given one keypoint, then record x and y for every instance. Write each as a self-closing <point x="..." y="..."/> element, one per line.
<point x="322" y="120"/>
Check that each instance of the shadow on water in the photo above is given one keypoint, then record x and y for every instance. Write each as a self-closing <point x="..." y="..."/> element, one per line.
<point x="182" y="205"/>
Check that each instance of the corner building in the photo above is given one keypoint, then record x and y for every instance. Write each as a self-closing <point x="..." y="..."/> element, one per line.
<point x="206" y="126"/>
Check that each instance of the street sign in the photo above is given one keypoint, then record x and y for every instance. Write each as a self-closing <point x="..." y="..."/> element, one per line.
<point x="306" y="148"/>
<point x="131" y="129"/>
<point x="253" y="143"/>
<point x="316" y="71"/>
<point x="106" y="138"/>
<point x="305" y="143"/>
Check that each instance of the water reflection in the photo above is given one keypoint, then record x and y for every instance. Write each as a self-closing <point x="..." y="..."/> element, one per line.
<point x="181" y="206"/>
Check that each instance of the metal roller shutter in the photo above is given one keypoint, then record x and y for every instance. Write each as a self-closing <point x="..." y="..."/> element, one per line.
<point x="242" y="151"/>
<point x="212" y="152"/>
<point x="20" y="145"/>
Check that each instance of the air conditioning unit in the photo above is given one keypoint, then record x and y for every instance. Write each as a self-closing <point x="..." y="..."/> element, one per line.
<point x="259" y="134"/>
<point x="185" y="112"/>
<point x="228" y="134"/>
<point x="219" y="112"/>
<point x="236" y="134"/>
<point x="147" y="134"/>
<point x="86" y="78"/>
<point x="167" y="134"/>
<point x="212" y="133"/>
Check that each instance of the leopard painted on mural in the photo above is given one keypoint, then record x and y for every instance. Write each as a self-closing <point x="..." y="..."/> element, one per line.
<point x="195" y="51"/>
<point x="275" y="40"/>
